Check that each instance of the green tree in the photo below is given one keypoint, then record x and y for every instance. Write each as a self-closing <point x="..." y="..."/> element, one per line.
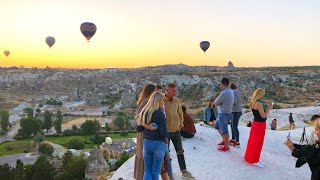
<point x="4" y="118"/>
<point x="6" y="172"/>
<point x="47" y="120"/>
<point x="119" y="122"/>
<point x="90" y="127"/>
<point x="19" y="170"/>
<point x="98" y="139"/>
<point x="75" y="143"/>
<point x="29" y="125"/>
<point x="76" y="167"/>
<point x="107" y="127"/>
<point x="66" y="158"/>
<point x="58" y="122"/>
<point x="59" y="103"/>
<point x="43" y="169"/>
<point x="29" y="112"/>
<point x="37" y="124"/>
<point x="28" y="171"/>
<point x="46" y="148"/>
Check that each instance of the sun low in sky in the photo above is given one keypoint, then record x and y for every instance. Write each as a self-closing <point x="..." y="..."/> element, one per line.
<point x="147" y="33"/>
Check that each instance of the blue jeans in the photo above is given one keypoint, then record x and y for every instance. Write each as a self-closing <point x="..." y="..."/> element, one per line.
<point x="222" y="123"/>
<point x="153" y="153"/>
<point x="234" y="125"/>
<point x="170" y="174"/>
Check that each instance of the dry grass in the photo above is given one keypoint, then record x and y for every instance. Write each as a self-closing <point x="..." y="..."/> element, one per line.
<point x="80" y="120"/>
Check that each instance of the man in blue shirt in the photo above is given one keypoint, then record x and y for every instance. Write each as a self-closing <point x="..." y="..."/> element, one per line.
<point x="224" y="102"/>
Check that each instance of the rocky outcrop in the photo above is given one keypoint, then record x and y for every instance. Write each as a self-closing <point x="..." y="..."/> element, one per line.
<point x="97" y="167"/>
<point x="118" y="88"/>
<point x="230" y="64"/>
<point x="128" y="97"/>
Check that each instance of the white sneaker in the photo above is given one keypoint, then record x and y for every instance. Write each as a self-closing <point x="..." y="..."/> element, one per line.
<point x="262" y="163"/>
<point x="258" y="165"/>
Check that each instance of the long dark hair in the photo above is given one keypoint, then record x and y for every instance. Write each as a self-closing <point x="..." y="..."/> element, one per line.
<point x="146" y="92"/>
<point x="209" y="103"/>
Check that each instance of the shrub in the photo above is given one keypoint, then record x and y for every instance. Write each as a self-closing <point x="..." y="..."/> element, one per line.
<point x="46" y="148"/>
<point x="76" y="130"/>
<point x="124" y="133"/>
<point x="276" y="106"/>
<point x="38" y="138"/>
<point x="9" y="148"/>
<point x="68" y="132"/>
<point x="90" y="127"/>
<point x="124" y="157"/>
<point x="75" y="143"/>
<point x="97" y="139"/>
<point x="107" y="127"/>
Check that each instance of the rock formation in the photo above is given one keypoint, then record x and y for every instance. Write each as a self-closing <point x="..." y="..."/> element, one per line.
<point x="97" y="167"/>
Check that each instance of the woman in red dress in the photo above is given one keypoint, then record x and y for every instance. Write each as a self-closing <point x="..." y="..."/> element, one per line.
<point x="258" y="129"/>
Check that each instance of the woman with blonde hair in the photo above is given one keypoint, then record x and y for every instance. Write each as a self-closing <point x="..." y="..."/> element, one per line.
<point x="142" y="101"/>
<point x="308" y="153"/>
<point x="154" y="140"/>
<point x="258" y="128"/>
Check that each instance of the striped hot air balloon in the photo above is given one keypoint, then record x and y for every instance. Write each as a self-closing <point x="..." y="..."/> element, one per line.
<point x="88" y="29"/>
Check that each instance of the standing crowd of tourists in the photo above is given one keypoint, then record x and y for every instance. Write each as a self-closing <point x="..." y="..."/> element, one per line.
<point x="162" y="121"/>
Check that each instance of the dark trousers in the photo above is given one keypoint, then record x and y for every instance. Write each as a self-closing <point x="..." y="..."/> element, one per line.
<point x="234" y="125"/>
<point x="175" y="137"/>
<point x="186" y="134"/>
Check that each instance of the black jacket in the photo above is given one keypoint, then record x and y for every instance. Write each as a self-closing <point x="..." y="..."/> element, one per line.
<point x="308" y="154"/>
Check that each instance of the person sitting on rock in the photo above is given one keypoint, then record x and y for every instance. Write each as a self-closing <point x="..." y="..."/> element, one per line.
<point x="188" y="129"/>
<point x="210" y="113"/>
<point x="274" y="125"/>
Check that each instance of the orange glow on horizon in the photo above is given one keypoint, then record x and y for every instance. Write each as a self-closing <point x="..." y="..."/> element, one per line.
<point x="138" y="34"/>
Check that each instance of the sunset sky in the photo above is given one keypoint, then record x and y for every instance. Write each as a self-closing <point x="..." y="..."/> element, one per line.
<point x="135" y="33"/>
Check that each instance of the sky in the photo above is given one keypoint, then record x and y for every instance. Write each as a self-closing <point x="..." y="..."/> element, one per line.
<point x="136" y="33"/>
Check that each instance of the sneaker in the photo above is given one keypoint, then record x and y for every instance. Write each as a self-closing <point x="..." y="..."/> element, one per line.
<point x="258" y="165"/>
<point x="232" y="141"/>
<point x="221" y="144"/>
<point x="224" y="149"/>
<point x="262" y="163"/>
<point x="236" y="144"/>
<point x="187" y="174"/>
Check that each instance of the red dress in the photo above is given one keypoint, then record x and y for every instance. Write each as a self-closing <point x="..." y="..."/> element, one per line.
<point x="256" y="138"/>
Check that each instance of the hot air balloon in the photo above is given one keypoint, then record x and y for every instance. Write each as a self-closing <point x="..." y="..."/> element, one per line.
<point x="88" y="29"/>
<point x="50" y="41"/>
<point x="204" y="45"/>
<point x="7" y="53"/>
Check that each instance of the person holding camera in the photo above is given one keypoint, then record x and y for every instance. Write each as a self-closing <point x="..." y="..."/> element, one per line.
<point x="308" y="153"/>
